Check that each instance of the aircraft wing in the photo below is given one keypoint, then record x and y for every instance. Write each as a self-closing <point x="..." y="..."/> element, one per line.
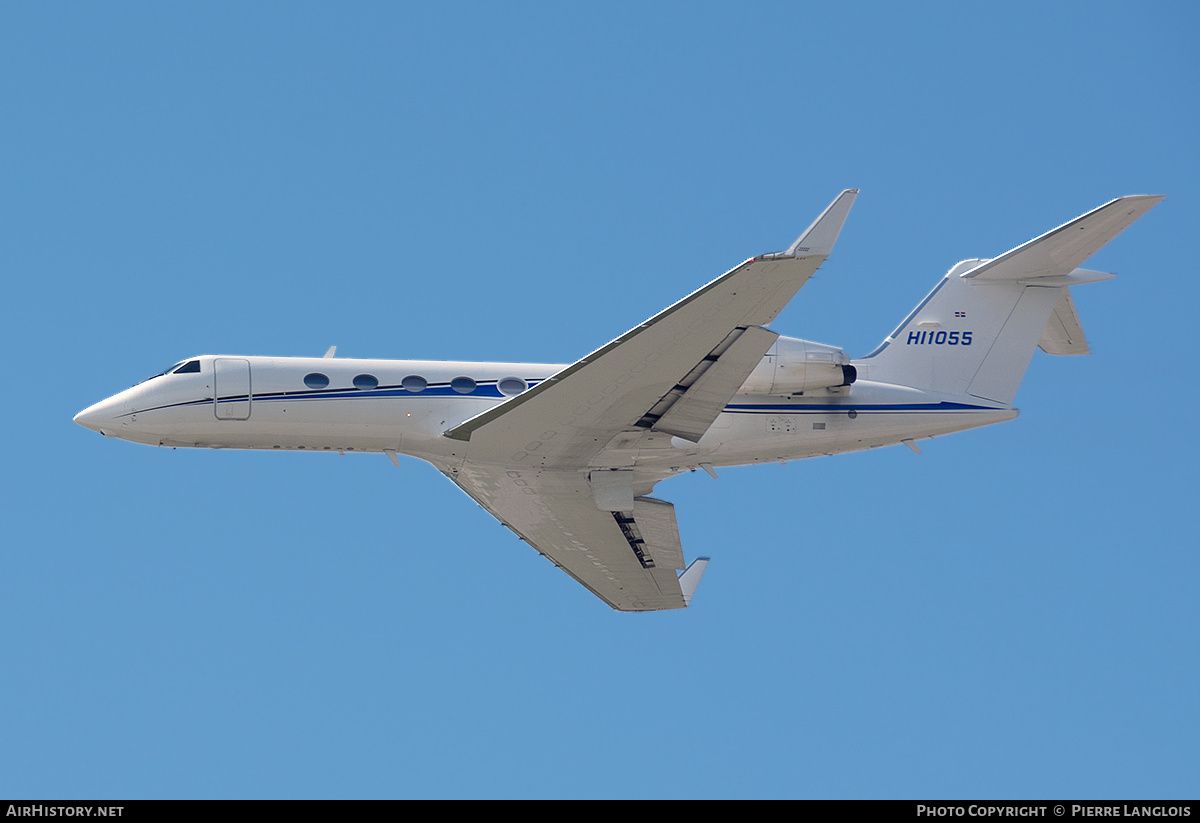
<point x="629" y="559"/>
<point x="556" y="464"/>
<point x="672" y="374"/>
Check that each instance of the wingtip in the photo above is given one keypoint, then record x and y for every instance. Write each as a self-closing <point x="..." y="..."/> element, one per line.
<point x="1140" y="203"/>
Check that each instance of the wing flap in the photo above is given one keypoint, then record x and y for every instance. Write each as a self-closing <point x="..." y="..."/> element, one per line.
<point x="655" y="521"/>
<point x="705" y="396"/>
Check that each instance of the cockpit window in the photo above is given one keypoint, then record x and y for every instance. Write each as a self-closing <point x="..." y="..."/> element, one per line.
<point x="190" y="367"/>
<point x="168" y="370"/>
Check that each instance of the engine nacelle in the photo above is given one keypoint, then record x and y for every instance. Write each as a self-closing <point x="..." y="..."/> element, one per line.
<point x="792" y="366"/>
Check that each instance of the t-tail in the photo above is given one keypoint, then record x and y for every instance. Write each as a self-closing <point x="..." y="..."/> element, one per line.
<point x="974" y="334"/>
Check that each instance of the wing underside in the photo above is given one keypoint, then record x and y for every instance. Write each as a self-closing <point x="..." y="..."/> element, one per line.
<point x="630" y="559"/>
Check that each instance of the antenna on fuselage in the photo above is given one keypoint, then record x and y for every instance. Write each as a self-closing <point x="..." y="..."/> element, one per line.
<point x="332" y="351"/>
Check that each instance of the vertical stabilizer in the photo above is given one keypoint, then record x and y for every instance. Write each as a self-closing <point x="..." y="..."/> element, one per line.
<point x="965" y="338"/>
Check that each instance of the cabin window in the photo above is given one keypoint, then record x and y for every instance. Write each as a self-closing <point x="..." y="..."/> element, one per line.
<point x="190" y="367"/>
<point x="316" y="380"/>
<point x="414" y="383"/>
<point x="463" y="385"/>
<point x="512" y="385"/>
<point x="366" y="381"/>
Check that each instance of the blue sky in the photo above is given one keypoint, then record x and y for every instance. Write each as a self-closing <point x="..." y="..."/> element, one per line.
<point x="1011" y="614"/>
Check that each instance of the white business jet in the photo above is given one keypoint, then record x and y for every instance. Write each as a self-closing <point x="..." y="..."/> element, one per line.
<point x="567" y="456"/>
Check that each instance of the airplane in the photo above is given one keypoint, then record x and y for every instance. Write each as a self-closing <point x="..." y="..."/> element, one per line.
<point x="567" y="456"/>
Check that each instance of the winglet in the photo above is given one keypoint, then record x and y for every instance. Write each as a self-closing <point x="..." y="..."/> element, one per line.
<point x="690" y="579"/>
<point x="823" y="233"/>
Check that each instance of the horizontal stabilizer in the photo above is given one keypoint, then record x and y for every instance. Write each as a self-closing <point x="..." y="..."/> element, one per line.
<point x="1063" y="333"/>
<point x="1059" y="251"/>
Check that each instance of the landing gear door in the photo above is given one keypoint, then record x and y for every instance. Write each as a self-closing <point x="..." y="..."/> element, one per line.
<point x="231" y="388"/>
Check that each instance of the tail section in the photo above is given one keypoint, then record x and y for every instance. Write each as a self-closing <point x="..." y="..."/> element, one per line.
<point x="975" y="333"/>
<point x="965" y="338"/>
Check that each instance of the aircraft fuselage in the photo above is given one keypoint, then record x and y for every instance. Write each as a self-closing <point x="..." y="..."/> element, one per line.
<point x="405" y="406"/>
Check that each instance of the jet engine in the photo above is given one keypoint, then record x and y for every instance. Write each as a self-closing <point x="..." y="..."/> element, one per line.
<point x="792" y="366"/>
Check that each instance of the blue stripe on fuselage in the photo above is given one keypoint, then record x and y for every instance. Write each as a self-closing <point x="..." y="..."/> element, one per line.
<point x="491" y="392"/>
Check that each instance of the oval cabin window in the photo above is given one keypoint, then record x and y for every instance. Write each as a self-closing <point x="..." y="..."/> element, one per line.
<point x="512" y="385"/>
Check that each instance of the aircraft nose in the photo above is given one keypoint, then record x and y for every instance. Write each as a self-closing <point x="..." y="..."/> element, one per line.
<point x="100" y="417"/>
